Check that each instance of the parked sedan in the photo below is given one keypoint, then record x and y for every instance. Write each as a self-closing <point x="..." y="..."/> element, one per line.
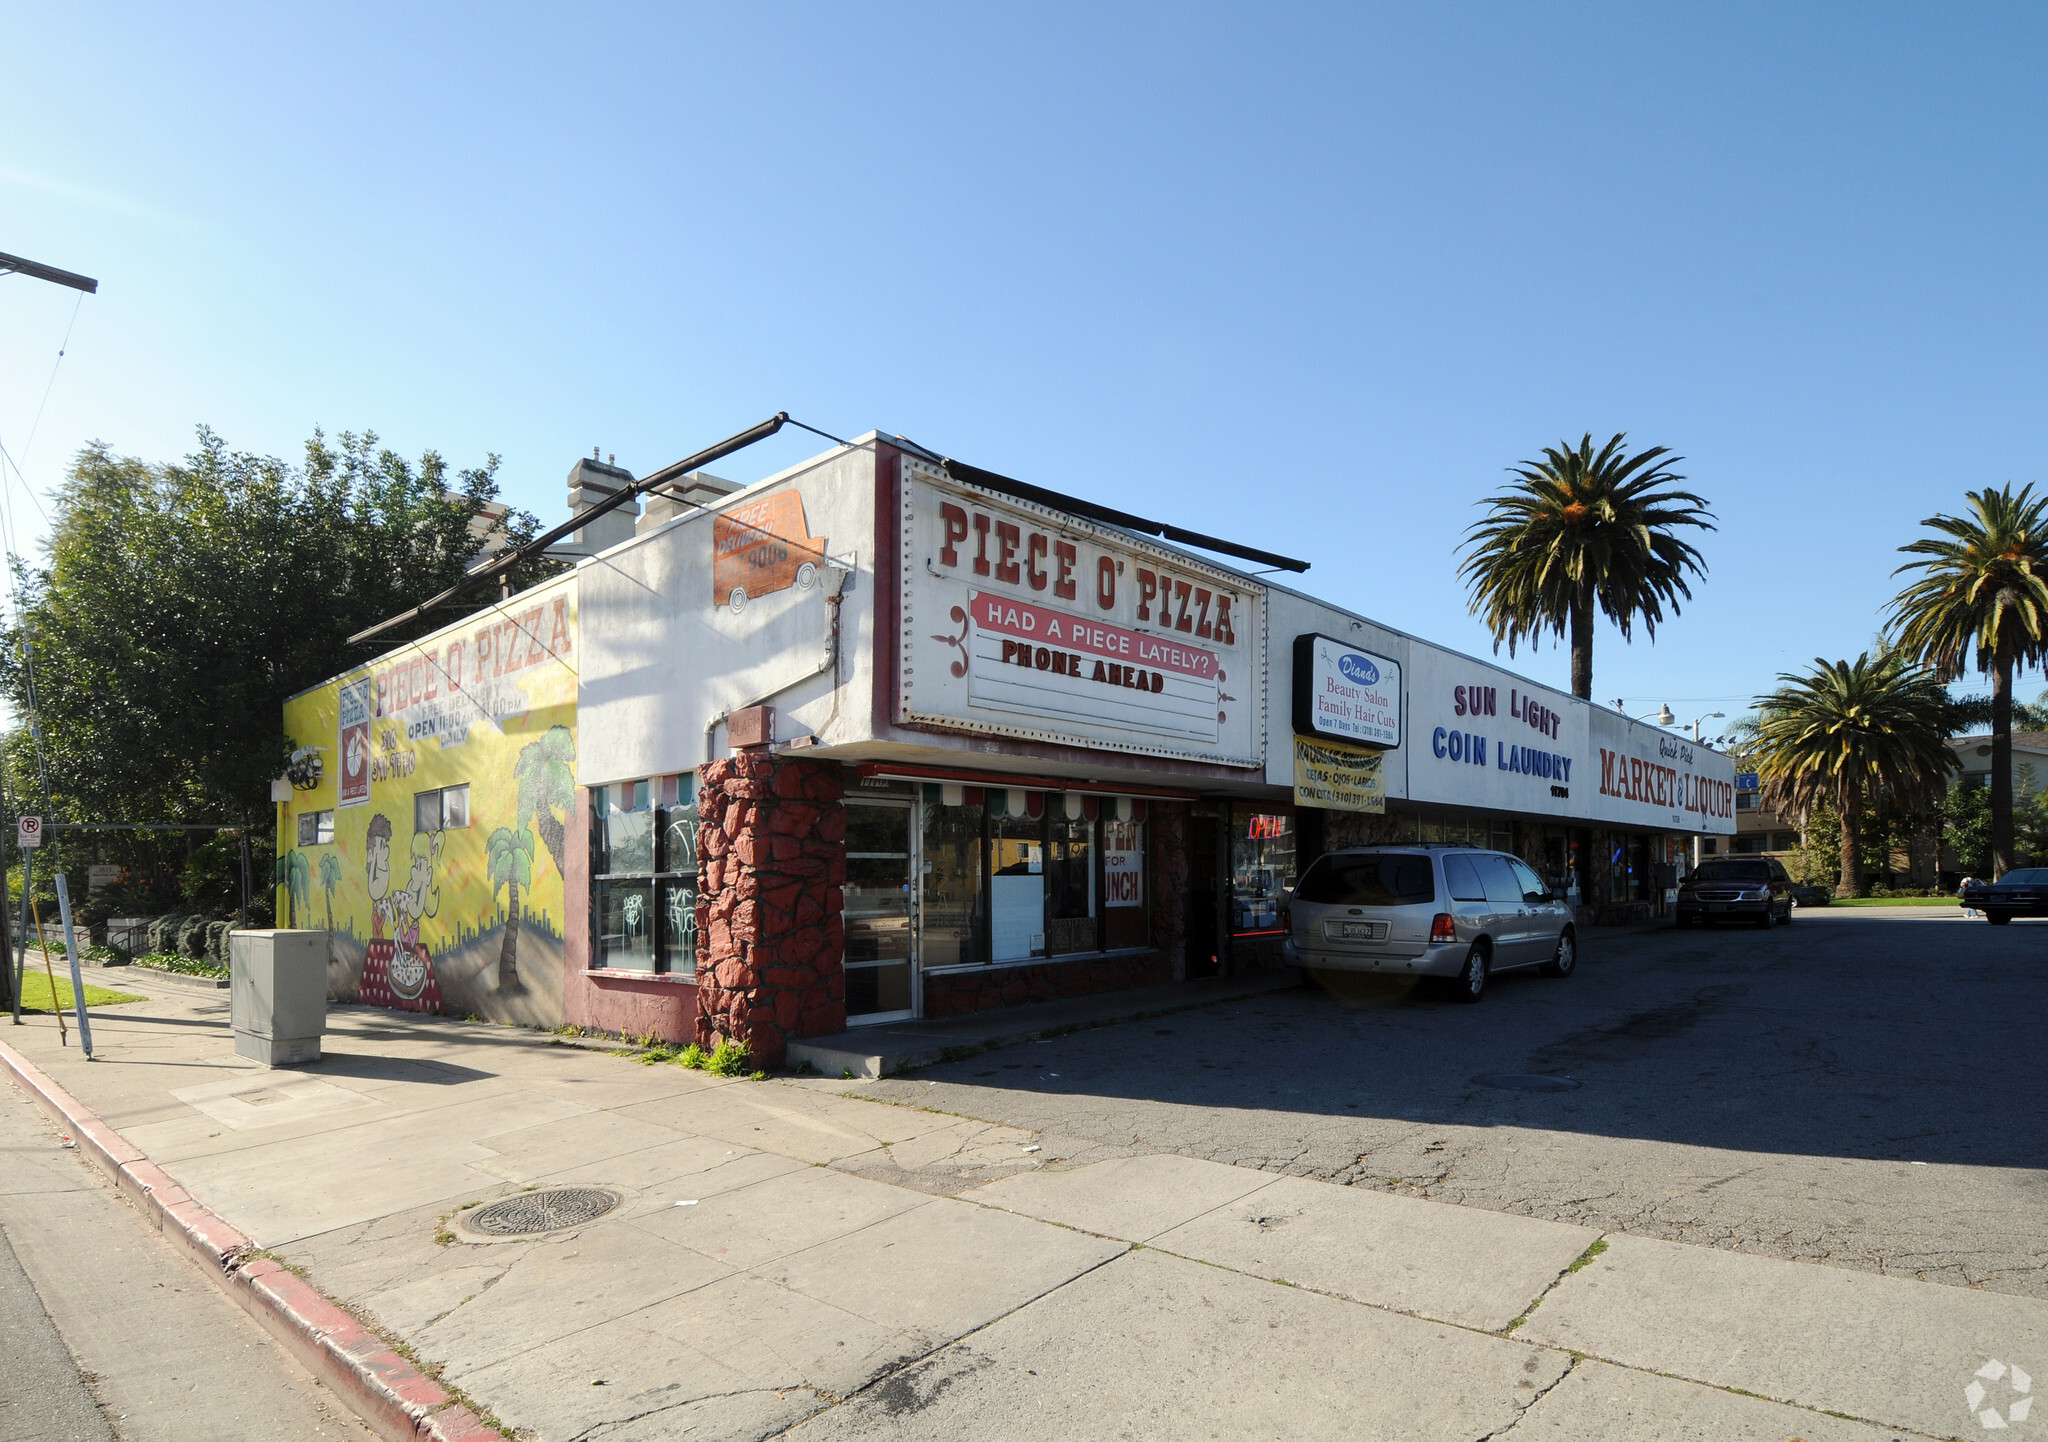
<point x="1804" y="895"/>
<point x="2017" y="893"/>
<point x="1736" y="888"/>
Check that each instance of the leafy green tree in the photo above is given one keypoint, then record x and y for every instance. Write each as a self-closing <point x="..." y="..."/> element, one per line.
<point x="509" y="855"/>
<point x="546" y="772"/>
<point x="1966" y="828"/>
<point x="1983" y="584"/>
<point x="180" y="604"/>
<point x="1853" y="733"/>
<point x="1580" y="532"/>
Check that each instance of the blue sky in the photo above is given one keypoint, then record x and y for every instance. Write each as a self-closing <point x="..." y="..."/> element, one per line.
<point x="1309" y="278"/>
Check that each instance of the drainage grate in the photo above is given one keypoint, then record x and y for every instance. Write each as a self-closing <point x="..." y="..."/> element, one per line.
<point x="1526" y="1082"/>
<point x="530" y="1213"/>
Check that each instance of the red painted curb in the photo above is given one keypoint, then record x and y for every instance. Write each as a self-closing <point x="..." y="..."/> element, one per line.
<point x="384" y="1389"/>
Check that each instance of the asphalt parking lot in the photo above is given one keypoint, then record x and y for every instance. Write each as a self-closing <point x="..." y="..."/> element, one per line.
<point x="1862" y="1088"/>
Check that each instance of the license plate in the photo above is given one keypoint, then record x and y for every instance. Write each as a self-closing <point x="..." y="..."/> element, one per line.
<point x="1355" y="930"/>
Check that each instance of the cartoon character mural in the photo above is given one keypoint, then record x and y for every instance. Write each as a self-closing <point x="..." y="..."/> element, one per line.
<point x="472" y="733"/>
<point x="397" y="970"/>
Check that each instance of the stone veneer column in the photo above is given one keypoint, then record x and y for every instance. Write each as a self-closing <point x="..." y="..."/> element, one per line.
<point x="771" y="862"/>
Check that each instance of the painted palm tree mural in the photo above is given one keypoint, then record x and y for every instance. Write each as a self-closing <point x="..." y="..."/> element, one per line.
<point x="509" y="855"/>
<point x="330" y="877"/>
<point x="295" y="879"/>
<point x="546" y="771"/>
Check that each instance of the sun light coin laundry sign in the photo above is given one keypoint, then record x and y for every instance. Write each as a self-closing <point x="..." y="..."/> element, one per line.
<point x="1019" y="620"/>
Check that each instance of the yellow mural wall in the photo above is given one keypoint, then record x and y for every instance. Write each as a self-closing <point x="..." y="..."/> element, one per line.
<point x="432" y="847"/>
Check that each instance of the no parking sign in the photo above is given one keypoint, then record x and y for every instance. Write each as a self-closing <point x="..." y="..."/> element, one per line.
<point x="30" y="832"/>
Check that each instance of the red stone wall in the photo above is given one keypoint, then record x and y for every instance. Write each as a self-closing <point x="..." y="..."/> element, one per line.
<point x="771" y="859"/>
<point x="960" y="992"/>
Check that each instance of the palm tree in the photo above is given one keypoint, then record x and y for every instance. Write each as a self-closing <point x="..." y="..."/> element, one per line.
<point x="330" y="877"/>
<point x="510" y="858"/>
<point x="547" y="783"/>
<point x="1984" y="583"/>
<point x="1852" y="733"/>
<point x="1580" y="531"/>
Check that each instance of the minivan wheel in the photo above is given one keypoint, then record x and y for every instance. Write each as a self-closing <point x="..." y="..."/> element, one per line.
<point x="1564" y="958"/>
<point x="1471" y="982"/>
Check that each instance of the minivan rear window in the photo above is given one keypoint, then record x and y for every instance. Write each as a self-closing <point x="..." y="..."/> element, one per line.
<point x="1386" y="879"/>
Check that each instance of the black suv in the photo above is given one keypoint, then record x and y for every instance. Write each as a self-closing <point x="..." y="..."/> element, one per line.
<point x="1754" y="889"/>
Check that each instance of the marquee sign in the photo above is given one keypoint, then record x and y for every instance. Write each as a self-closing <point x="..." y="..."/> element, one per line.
<point x="1023" y="621"/>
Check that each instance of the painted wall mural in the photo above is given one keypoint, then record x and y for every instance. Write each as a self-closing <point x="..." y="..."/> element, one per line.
<point x="436" y="835"/>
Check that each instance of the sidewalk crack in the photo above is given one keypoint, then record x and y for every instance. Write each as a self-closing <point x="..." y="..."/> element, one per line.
<point x="1522" y="1410"/>
<point x="1577" y="1264"/>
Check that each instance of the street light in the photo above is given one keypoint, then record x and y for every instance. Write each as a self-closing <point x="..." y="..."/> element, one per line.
<point x="1710" y="716"/>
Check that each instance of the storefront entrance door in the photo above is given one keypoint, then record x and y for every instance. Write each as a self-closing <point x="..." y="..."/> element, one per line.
<point x="881" y="983"/>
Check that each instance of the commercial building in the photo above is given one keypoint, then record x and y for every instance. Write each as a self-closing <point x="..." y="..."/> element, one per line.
<point x="887" y="736"/>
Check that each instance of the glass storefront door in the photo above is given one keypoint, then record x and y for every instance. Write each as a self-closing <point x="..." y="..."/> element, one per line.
<point x="880" y="911"/>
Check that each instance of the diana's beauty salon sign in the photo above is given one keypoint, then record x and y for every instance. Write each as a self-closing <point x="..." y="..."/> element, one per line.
<point x="1346" y="695"/>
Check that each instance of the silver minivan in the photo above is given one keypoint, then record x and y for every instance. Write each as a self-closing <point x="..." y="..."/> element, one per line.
<point x="1434" y="910"/>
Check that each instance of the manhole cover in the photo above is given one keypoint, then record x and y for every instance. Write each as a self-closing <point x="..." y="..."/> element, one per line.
<point x="1526" y="1082"/>
<point x="531" y="1213"/>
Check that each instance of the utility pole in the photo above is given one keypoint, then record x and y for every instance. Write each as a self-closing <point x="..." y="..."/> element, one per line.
<point x="36" y="270"/>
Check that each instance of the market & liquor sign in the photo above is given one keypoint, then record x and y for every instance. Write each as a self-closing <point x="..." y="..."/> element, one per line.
<point x="1632" y="778"/>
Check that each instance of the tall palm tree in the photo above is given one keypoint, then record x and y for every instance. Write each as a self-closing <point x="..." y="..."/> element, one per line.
<point x="1579" y="532"/>
<point x="1984" y="583"/>
<point x="1854" y="733"/>
<point x="292" y="875"/>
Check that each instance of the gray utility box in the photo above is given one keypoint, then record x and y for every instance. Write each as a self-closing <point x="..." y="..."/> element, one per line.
<point x="277" y="994"/>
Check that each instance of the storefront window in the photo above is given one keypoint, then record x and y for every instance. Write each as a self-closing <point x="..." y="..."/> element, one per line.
<point x="877" y="908"/>
<point x="1070" y="888"/>
<point x="1262" y="859"/>
<point x="1016" y="887"/>
<point x="1126" y="910"/>
<point x="1001" y="887"/>
<point x="953" y="910"/>
<point x="644" y="874"/>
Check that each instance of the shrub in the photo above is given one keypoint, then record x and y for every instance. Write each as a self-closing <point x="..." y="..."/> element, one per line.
<point x="217" y="940"/>
<point x="732" y="1058"/>
<point x="191" y="936"/>
<point x="183" y="965"/>
<point x="163" y="934"/>
<point x="693" y="1057"/>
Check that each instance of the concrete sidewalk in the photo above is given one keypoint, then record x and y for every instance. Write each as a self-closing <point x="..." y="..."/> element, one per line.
<point x="791" y="1260"/>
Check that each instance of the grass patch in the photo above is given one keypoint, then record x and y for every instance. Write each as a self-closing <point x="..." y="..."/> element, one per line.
<point x="35" y="994"/>
<point x="1586" y="1257"/>
<point x="1895" y="901"/>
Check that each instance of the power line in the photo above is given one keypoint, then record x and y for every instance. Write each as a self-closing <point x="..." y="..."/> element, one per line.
<point x="62" y="346"/>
